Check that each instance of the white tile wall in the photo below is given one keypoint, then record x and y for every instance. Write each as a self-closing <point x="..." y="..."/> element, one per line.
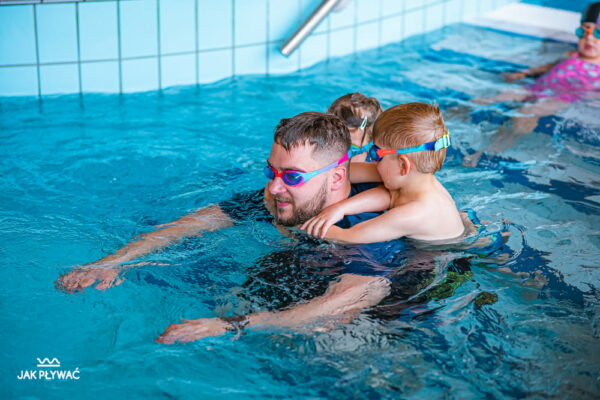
<point x="137" y="45"/>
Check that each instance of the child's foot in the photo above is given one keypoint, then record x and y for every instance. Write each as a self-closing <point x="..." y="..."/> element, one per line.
<point x="471" y="160"/>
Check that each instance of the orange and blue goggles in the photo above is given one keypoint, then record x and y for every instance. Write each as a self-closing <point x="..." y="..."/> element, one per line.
<point x="376" y="153"/>
<point x="587" y="30"/>
<point x="295" y="178"/>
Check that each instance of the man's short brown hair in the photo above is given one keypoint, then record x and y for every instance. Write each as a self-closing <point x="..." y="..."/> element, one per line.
<point x="412" y="124"/>
<point x="325" y="132"/>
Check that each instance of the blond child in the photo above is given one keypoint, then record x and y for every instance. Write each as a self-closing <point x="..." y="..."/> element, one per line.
<point x="410" y="143"/>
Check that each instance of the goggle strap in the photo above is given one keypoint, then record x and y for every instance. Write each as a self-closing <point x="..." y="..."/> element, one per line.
<point x="355" y="150"/>
<point x="443" y="142"/>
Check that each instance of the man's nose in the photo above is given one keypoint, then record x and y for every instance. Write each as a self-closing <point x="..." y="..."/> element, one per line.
<point x="276" y="186"/>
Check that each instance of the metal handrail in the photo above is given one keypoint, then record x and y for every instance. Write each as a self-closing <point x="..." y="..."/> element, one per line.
<point x="307" y="27"/>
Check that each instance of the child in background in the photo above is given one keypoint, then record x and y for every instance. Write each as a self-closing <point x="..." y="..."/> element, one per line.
<point x="568" y="81"/>
<point x="410" y="146"/>
<point x="359" y="113"/>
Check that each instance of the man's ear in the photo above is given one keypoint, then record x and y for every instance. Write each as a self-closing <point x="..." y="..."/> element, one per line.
<point x="405" y="164"/>
<point x="339" y="177"/>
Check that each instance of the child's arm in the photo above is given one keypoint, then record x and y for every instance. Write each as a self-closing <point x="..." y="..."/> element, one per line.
<point x="361" y="172"/>
<point x="376" y="199"/>
<point x="532" y="72"/>
<point x="396" y="223"/>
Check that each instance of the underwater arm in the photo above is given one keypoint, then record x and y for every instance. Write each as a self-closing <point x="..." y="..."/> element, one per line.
<point x="210" y="218"/>
<point x="532" y="72"/>
<point x="341" y="303"/>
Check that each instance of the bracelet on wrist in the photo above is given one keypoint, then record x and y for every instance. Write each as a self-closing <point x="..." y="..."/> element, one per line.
<point x="236" y="323"/>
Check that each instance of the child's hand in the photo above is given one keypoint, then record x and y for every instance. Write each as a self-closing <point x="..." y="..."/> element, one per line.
<point x="320" y="224"/>
<point x="513" y="76"/>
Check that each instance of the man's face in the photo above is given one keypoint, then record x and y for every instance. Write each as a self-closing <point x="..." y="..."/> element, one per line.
<point x="294" y="205"/>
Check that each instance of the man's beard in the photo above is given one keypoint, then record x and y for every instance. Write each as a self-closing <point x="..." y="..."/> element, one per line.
<point x="301" y="215"/>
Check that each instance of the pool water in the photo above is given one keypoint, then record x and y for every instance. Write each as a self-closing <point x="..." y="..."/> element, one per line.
<point x="80" y="178"/>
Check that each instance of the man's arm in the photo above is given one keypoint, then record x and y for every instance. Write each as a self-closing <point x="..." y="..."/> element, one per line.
<point x="342" y="301"/>
<point x="207" y="219"/>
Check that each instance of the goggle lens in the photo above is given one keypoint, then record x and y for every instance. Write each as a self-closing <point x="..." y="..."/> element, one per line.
<point x="269" y="173"/>
<point x="373" y="155"/>
<point x="581" y="32"/>
<point x="292" y="178"/>
<point x="289" y="178"/>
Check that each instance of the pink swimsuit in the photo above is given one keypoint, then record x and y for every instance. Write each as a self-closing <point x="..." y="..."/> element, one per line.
<point x="569" y="80"/>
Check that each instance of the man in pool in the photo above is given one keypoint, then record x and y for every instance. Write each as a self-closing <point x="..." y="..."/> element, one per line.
<point x="313" y="142"/>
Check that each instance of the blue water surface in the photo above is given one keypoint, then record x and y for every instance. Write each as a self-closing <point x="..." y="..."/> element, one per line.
<point x="79" y="178"/>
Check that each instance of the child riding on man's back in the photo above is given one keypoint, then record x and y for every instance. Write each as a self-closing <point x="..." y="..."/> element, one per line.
<point x="410" y="146"/>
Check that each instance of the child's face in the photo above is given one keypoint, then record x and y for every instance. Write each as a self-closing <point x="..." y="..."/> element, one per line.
<point x="589" y="46"/>
<point x="389" y="170"/>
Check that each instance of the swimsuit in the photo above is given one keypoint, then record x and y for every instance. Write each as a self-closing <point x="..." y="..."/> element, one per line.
<point x="569" y="80"/>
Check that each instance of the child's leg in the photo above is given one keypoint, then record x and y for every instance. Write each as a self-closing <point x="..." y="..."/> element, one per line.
<point x="519" y="96"/>
<point x="524" y="124"/>
<point x="517" y="127"/>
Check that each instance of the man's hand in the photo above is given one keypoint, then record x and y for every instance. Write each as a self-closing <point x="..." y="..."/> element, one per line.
<point x="80" y="278"/>
<point x="320" y="224"/>
<point x="193" y="329"/>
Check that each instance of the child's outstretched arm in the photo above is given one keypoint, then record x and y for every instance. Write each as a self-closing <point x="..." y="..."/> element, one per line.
<point x="532" y="72"/>
<point x="376" y="199"/>
<point x="361" y="172"/>
<point x="396" y="223"/>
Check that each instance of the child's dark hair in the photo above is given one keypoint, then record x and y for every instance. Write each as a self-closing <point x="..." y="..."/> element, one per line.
<point x="352" y="108"/>
<point x="412" y="124"/>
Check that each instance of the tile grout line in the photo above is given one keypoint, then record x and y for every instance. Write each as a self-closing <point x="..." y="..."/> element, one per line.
<point x="37" y="53"/>
<point x="403" y="25"/>
<point x="299" y="48"/>
<point x="379" y="27"/>
<point x="78" y="50"/>
<point x="328" y="37"/>
<point x="268" y="36"/>
<point x="424" y="22"/>
<point x="232" y="39"/>
<point x="197" y="44"/>
<point x="158" y="49"/>
<point x="119" y="49"/>
<point x="354" y="30"/>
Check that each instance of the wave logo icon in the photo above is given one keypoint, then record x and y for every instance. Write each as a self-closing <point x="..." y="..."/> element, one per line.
<point x="47" y="363"/>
